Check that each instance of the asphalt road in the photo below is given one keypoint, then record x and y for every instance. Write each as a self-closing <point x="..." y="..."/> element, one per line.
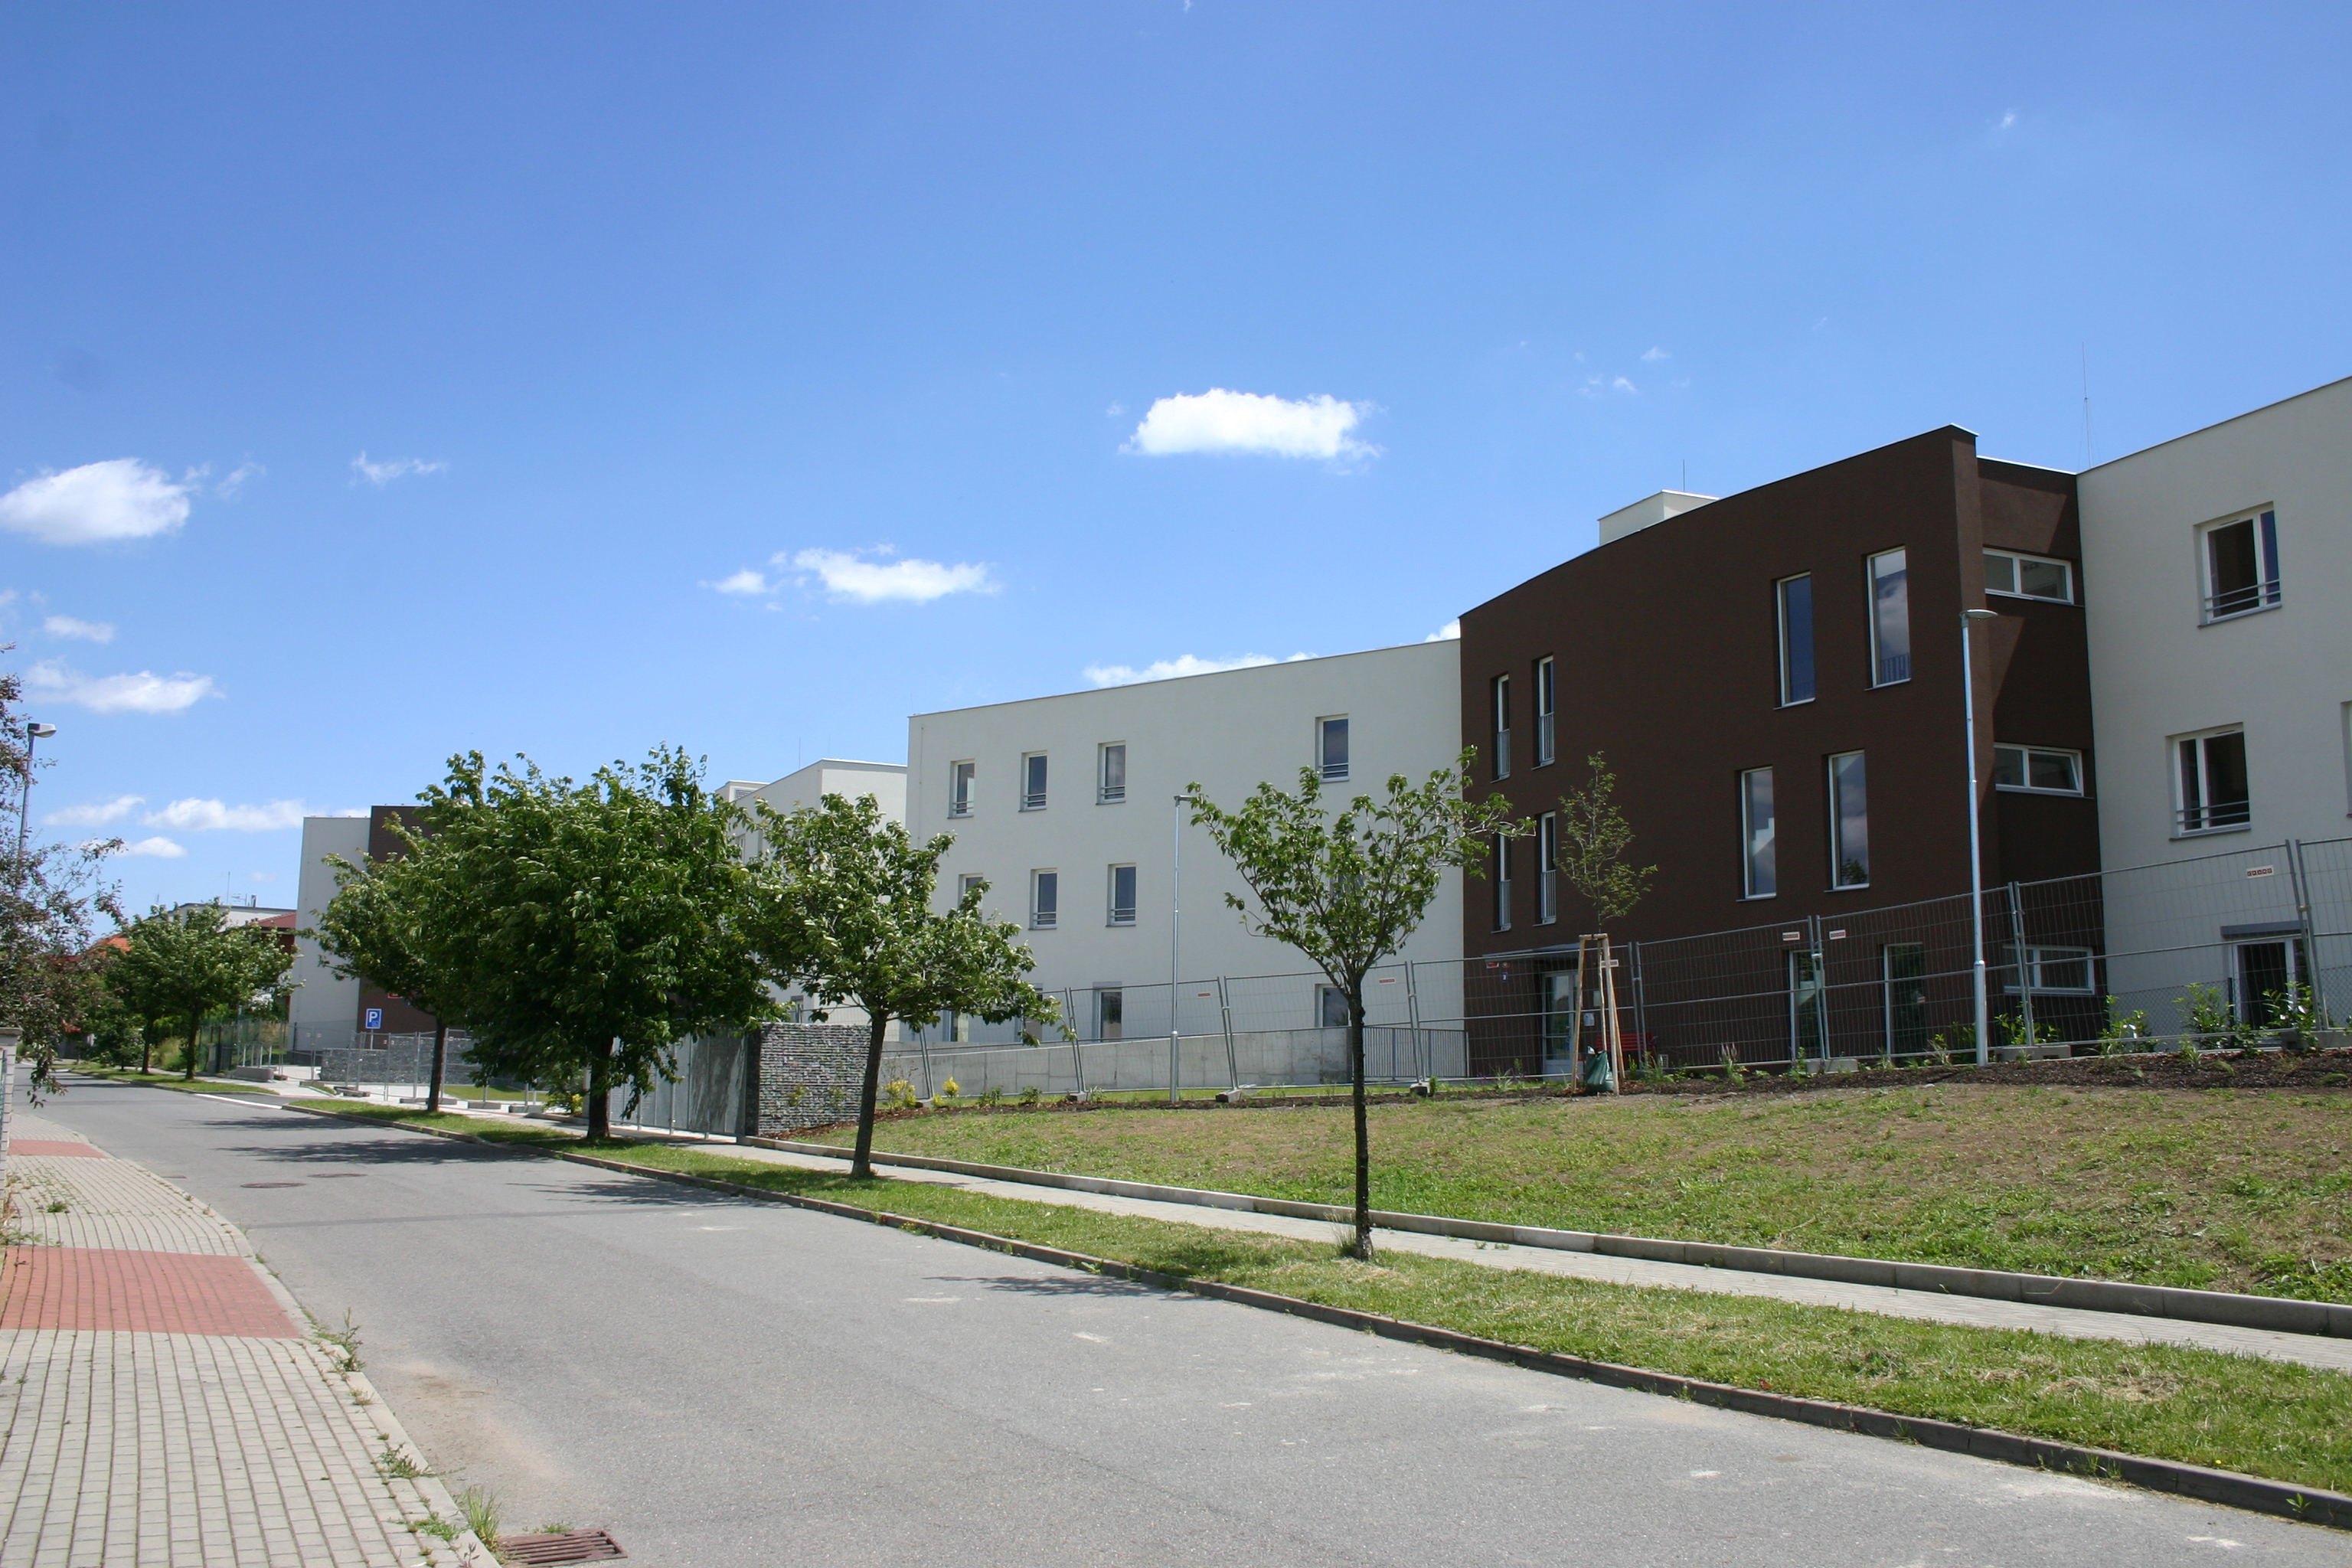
<point x="721" y="1382"/>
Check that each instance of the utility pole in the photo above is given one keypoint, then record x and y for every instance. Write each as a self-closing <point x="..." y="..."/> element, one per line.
<point x="1976" y="833"/>
<point x="32" y="733"/>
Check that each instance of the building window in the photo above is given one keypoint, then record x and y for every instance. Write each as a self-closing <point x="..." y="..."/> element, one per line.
<point x="1044" y="900"/>
<point x="1547" y="868"/>
<point x="1501" y="703"/>
<point x="2029" y="576"/>
<point x="1890" y="618"/>
<point x="1502" y="882"/>
<point x="2065" y="970"/>
<point x="1331" y="746"/>
<point x="2041" y="770"/>
<point x="2242" y="566"/>
<point x="1112" y="785"/>
<point x="1122" y="895"/>
<point x="1796" y="597"/>
<point x="960" y="778"/>
<point x="1849" y="822"/>
<point x="967" y="883"/>
<point x="1756" y="833"/>
<point x="1033" y="782"/>
<point x="1111" y="1013"/>
<point x="2212" y="777"/>
<point x="1547" y="705"/>
<point x="2268" y="977"/>
<point x="1330" y="1007"/>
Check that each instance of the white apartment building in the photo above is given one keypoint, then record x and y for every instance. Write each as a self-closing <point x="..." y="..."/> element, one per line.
<point x="2218" y="594"/>
<point x="325" y="1007"/>
<point x="886" y="781"/>
<point x="1066" y="806"/>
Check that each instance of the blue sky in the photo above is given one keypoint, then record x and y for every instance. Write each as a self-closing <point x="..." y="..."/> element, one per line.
<point x="377" y="382"/>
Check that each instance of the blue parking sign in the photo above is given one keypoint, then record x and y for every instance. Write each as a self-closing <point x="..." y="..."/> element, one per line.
<point x="372" y="1018"/>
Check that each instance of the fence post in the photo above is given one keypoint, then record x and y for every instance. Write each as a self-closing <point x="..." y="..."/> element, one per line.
<point x="1820" y="987"/>
<point x="2024" y="966"/>
<point x="2315" y="998"/>
<point x="1641" y="1012"/>
<point x="1421" y="1055"/>
<point x="1070" y="1016"/>
<point x="1226" y="1015"/>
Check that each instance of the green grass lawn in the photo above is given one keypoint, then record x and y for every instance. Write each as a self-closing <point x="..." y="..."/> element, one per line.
<point x="2289" y="1422"/>
<point x="2219" y="1189"/>
<point x="164" y="1080"/>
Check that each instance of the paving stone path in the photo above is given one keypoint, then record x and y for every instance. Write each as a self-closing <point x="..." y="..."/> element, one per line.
<point x="163" y="1401"/>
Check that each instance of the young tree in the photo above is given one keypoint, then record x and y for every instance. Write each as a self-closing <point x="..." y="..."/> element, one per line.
<point x="1348" y="892"/>
<point x="1593" y="838"/>
<point x="584" y="927"/>
<point x="187" y="965"/>
<point x="844" y="912"/>
<point x="386" y="923"/>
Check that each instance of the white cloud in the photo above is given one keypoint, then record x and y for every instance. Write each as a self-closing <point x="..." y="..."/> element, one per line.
<point x="145" y="693"/>
<point x="237" y="477"/>
<point x="384" y="473"/>
<point x="210" y="815"/>
<point x="1222" y="421"/>
<point x="1181" y="664"/>
<point x="746" y="582"/>
<point x="95" y="813"/>
<point x="2007" y="120"/>
<point x="1656" y="354"/>
<point x="1621" y="384"/>
<point x="88" y="631"/>
<point x="97" y="503"/>
<point x="159" y="848"/>
<point x="1449" y="632"/>
<point x="846" y="577"/>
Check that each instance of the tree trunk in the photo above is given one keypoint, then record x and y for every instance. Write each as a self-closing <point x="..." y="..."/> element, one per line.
<point x="146" y="1048"/>
<point x="195" y="1023"/>
<point x="861" y="1165"/>
<point x="599" y="1091"/>
<point x="440" y="1061"/>
<point x="1363" y="1246"/>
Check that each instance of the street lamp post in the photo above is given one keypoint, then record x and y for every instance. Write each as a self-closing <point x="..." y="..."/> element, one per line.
<point x="1976" y="833"/>
<point x="33" y="732"/>
<point x="1175" y="900"/>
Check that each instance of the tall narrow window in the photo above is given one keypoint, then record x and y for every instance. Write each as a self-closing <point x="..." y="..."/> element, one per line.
<point x="1044" y="900"/>
<point x="2213" y="774"/>
<point x="1502" y="882"/>
<point x="1331" y="747"/>
<point x="1502" y="705"/>
<point x="1849" y="822"/>
<point x="1547" y="705"/>
<point x="1033" y="782"/>
<point x="1890" y="618"/>
<point x="2242" y="566"/>
<point x="1122" y="895"/>
<point x="1110" y="1013"/>
<point x="1112" y="787"/>
<point x="1547" y="868"/>
<point x="959" y="779"/>
<point x="1796" y="639"/>
<point x="1756" y="833"/>
<point x="1330" y="1007"/>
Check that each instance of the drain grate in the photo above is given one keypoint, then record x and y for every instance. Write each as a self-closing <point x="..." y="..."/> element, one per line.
<point x="569" y="1546"/>
<point x="272" y="1184"/>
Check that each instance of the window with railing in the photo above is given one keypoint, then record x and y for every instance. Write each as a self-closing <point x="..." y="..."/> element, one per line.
<point x="1890" y="618"/>
<point x="2211" y="778"/>
<point x="1112" y="784"/>
<point x="1044" y="900"/>
<point x="2242" y="566"/>
<point x="1502" y="882"/>
<point x="1033" y="782"/>
<point x="1500" y="694"/>
<point x="1331" y="746"/>
<point x="960" y="781"/>
<point x="1547" y="868"/>
<point x="1547" y="705"/>
<point x="1122" y="895"/>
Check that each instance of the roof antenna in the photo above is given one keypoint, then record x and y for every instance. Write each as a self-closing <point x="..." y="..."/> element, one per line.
<point x="1685" y="475"/>
<point x="2087" y="458"/>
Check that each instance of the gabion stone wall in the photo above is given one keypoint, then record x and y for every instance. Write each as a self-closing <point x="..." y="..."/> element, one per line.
<point x="809" y="1075"/>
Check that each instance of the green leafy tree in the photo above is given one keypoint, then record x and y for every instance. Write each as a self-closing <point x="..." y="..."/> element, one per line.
<point x="1349" y="891"/>
<point x="580" y="929"/>
<point x="844" y="913"/>
<point x="1593" y="838"/>
<point x="185" y="965"/>
<point x="387" y="922"/>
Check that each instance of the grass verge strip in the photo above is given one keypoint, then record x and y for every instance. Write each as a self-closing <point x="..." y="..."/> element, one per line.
<point x="2170" y="1418"/>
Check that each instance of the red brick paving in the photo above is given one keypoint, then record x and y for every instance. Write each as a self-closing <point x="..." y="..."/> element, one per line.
<point x="139" y="1292"/>
<point x="53" y="1146"/>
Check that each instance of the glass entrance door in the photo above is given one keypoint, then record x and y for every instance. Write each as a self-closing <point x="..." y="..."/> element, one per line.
<point x="2268" y="974"/>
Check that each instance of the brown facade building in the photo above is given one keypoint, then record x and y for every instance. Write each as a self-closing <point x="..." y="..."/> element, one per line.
<point x="1775" y="678"/>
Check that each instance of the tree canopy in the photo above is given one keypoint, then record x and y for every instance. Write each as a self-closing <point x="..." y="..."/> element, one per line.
<point x="389" y="922"/>
<point x="1593" y="838"/>
<point x="1348" y="890"/>
<point x="183" y="965"/>
<point x="844" y="912"/>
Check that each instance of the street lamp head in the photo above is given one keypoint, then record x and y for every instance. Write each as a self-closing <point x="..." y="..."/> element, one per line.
<point x="1979" y="615"/>
<point x="40" y="732"/>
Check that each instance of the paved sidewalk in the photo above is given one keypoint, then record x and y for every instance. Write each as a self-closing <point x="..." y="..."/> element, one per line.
<point x="162" y="1404"/>
<point x="2311" y="1350"/>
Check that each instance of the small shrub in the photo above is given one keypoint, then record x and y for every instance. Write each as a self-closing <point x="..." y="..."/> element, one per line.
<point x="481" y="1510"/>
<point x="899" y="1095"/>
<point x="2125" y="1031"/>
<point x="1031" y="1095"/>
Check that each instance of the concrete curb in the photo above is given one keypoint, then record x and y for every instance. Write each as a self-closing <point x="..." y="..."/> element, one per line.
<point x="2278" y="1313"/>
<point x="2307" y="1504"/>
